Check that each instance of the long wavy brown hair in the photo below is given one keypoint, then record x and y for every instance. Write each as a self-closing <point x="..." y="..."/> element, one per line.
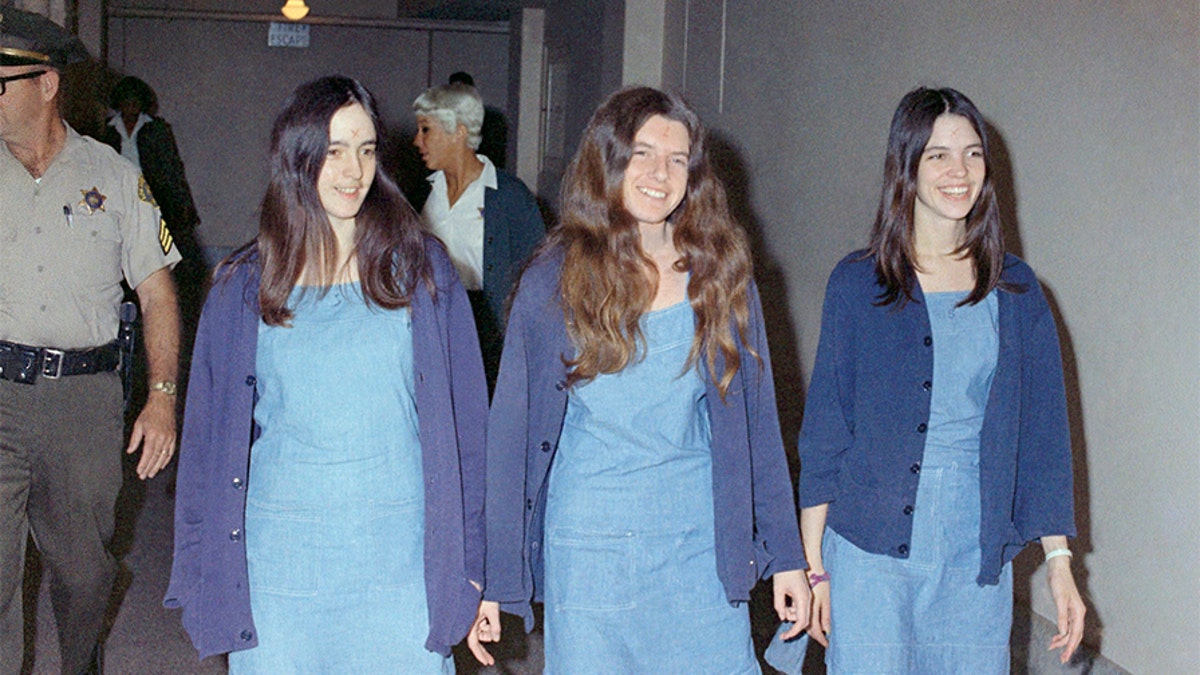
<point x="608" y="282"/>
<point x="892" y="235"/>
<point x="294" y="233"/>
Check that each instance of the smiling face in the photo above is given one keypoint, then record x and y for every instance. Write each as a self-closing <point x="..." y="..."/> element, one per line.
<point x="349" y="167"/>
<point x="950" y="175"/>
<point x="655" y="181"/>
<point x="436" y="145"/>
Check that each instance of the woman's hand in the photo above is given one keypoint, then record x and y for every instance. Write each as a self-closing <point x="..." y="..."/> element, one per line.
<point x="485" y="629"/>
<point x="792" y="598"/>
<point x="818" y="626"/>
<point x="812" y="531"/>
<point x="1067" y="600"/>
<point x="1069" y="603"/>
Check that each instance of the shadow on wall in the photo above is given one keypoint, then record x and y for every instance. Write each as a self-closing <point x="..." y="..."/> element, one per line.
<point x="731" y="169"/>
<point x="1004" y="183"/>
<point x="1027" y="562"/>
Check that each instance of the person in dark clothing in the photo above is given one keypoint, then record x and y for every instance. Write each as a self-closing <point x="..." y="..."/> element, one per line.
<point x="148" y="142"/>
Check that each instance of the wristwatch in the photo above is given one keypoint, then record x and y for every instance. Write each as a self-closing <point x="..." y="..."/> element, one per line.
<point x="165" y="386"/>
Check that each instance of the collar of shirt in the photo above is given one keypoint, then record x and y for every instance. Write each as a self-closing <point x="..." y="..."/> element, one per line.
<point x="461" y="226"/>
<point x="129" y="149"/>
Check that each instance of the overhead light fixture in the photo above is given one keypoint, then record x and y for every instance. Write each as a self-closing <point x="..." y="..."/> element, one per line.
<point x="295" y="10"/>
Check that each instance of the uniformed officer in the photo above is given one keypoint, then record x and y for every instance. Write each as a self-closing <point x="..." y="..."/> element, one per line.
<point x="76" y="220"/>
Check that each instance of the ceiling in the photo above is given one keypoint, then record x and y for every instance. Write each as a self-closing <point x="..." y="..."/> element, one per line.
<point x="463" y="10"/>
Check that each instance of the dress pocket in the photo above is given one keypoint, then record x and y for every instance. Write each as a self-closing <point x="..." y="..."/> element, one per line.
<point x="397" y="544"/>
<point x="280" y="547"/>
<point x="589" y="571"/>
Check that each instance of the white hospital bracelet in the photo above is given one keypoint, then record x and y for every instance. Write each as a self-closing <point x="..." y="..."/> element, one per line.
<point x="1058" y="552"/>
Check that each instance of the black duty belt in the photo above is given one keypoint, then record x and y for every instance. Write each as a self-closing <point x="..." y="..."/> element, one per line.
<point x="24" y="364"/>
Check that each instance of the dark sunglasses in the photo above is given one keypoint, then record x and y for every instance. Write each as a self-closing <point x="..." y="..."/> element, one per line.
<point x="23" y="76"/>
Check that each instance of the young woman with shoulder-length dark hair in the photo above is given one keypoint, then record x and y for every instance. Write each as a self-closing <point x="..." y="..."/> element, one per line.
<point x="636" y="475"/>
<point x="935" y="443"/>
<point x="322" y="523"/>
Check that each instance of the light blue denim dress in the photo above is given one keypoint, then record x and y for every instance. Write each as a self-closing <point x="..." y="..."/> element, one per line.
<point x="630" y="561"/>
<point x="926" y="614"/>
<point x="335" y="503"/>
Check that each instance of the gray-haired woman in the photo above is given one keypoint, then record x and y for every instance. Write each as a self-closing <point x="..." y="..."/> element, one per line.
<point x="488" y="219"/>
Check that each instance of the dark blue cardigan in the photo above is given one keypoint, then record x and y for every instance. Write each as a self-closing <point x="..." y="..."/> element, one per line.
<point x="755" y="519"/>
<point x="862" y="441"/>
<point x="512" y="229"/>
<point x="209" y="578"/>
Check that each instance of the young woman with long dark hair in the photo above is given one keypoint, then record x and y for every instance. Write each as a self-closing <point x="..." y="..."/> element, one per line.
<point x="935" y="443"/>
<point x="329" y="514"/>
<point x="636" y="477"/>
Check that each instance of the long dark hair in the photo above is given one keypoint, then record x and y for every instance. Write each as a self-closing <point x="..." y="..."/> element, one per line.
<point x="294" y="233"/>
<point x="892" y="236"/>
<point x="608" y="282"/>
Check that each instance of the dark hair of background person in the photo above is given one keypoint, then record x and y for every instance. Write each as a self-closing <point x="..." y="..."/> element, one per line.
<point x="608" y="282"/>
<point x="892" y="235"/>
<point x="294" y="231"/>
<point x="461" y="77"/>
<point x="131" y="88"/>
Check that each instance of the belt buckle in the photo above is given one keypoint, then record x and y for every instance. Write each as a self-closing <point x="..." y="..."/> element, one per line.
<point x="55" y="357"/>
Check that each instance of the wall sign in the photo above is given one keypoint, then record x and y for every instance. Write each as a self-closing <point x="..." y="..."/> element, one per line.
<point x="288" y="35"/>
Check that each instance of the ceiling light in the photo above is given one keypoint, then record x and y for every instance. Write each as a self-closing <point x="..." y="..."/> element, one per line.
<point x="295" y="10"/>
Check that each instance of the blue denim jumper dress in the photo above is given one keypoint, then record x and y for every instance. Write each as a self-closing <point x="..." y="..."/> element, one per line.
<point x="926" y="614"/>
<point x="335" y="503"/>
<point x="630" y="566"/>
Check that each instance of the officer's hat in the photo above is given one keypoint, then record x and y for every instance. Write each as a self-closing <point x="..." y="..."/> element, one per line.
<point x="28" y="39"/>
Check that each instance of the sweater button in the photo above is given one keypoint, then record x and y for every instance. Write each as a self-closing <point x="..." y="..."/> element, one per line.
<point x="235" y="535"/>
<point x="915" y="468"/>
<point x="928" y="341"/>
<point x="927" y="385"/>
<point x="908" y="510"/>
<point x="237" y="483"/>
<point x="246" y="635"/>
<point x="560" y="385"/>
<point x="545" y="446"/>
<point x="902" y="549"/>
<point x="922" y="427"/>
<point x="251" y="380"/>
<point x="529" y="504"/>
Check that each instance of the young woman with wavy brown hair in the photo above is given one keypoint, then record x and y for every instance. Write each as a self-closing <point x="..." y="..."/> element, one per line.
<point x="636" y="477"/>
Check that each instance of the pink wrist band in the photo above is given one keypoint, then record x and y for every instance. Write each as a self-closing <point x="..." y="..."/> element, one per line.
<point x="814" y="579"/>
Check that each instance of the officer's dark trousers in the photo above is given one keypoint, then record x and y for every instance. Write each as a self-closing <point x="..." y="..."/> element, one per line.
<point x="60" y="471"/>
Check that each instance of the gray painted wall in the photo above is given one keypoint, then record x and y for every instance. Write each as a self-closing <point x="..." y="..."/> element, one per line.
<point x="1097" y="108"/>
<point x="220" y="86"/>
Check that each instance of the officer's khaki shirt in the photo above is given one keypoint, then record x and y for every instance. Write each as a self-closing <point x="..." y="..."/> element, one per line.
<point x="67" y="241"/>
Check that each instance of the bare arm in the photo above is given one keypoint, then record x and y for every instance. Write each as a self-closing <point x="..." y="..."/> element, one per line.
<point x="812" y="532"/>
<point x="154" y="429"/>
<point x="1066" y="596"/>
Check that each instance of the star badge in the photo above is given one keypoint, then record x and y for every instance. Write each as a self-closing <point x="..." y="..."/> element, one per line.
<point x="92" y="200"/>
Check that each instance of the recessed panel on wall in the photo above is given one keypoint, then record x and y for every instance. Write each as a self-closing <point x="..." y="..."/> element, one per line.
<point x="475" y="53"/>
<point x="220" y="86"/>
<point x="704" y="57"/>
